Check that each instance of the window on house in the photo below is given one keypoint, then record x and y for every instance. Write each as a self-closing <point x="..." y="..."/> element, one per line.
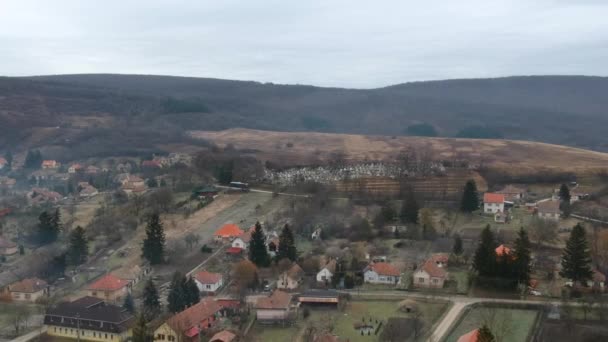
<point x="171" y="338"/>
<point x="435" y="281"/>
<point x="28" y="296"/>
<point x="421" y="280"/>
<point x="208" y="286"/>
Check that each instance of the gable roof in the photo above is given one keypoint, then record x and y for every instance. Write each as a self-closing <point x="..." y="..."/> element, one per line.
<point x="502" y="250"/>
<point x="193" y="315"/>
<point x="384" y="268"/>
<point x="109" y="282"/>
<point x="30" y="285"/>
<point x="490" y="197"/>
<point x="511" y="190"/>
<point x="223" y="336"/>
<point x="295" y="271"/>
<point x="229" y="230"/>
<point x="433" y="270"/>
<point x="278" y="300"/>
<point x="440" y="257"/>
<point x="548" y="207"/>
<point x="205" y="277"/>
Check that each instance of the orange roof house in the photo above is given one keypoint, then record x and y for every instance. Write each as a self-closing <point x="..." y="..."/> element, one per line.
<point x="274" y="308"/>
<point x="502" y="250"/>
<point x="50" y="164"/>
<point x="490" y="197"/>
<point x="109" y="288"/>
<point x="384" y="269"/>
<point x="228" y="231"/>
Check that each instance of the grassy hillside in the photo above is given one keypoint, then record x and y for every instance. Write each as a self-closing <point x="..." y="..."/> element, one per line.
<point x="133" y="113"/>
<point x="516" y="156"/>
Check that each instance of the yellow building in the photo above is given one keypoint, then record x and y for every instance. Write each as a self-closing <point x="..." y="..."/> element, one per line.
<point x="90" y="319"/>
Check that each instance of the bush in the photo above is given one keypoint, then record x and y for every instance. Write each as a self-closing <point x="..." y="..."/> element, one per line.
<point x="306" y="312"/>
<point x="206" y="249"/>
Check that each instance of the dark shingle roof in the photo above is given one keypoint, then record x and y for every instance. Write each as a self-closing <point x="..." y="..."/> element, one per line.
<point x="93" y="314"/>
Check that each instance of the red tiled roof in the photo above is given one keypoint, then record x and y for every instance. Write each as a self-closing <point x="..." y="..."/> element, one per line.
<point x="278" y="300"/>
<point x="3" y="161"/>
<point x="151" y="163"/>
<point x="229" y="230"/>
<point x="192" y="316"/>
<point x="433" y="270"/>
<point x="490" y="197"/>
<point x="502" y="250"/>
<point x="440" y="257"/>
<point x="223" y="336"/>
<point x="471" y="336"/>
<point x="109" y="282"/>
<point x="295" y="271"/>
<point x="5" y="211"/>
<point x="234" y="250"/>
<point x="383" y="268"/>
<point x="205" y="277"/>
<point x="30" y="285"/>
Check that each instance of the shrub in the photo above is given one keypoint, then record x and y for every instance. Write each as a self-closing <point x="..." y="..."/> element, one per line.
<point x="206" y="249"/>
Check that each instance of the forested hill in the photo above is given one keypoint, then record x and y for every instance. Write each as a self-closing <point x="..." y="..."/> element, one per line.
<point x="141" y="112"/>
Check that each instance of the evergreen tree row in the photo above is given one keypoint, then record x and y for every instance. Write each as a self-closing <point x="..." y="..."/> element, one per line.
<point x="183" y="293"/>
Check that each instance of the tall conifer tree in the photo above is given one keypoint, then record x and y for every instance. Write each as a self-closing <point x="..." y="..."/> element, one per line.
<point x="576" y="260"/>
<point x="153" y="248"/>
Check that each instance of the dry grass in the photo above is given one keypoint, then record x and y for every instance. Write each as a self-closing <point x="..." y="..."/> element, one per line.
<point x="309" y="147"/>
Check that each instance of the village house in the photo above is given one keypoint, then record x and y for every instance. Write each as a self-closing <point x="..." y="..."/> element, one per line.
<point x="227" y="232"/>
<point x="274" y="308"/>
<point x="381" y="273"/>
<point x="327" y="272"/>
<point x="292" y="278"/>
<point x="207" y="191"/>
<point x="242" y="241"/>
<point x="548" y="210"/>
<point x="89" y="319"/>
<point x="109" y="288"/>
<point x="316" y="235"/>
<point x="42" y="195"/>
<point x="493" y="203"/>
<point x="208" y="282"/>
<point x="50" y="164"/>
<point x="430" y="275"/>
<point x="133" y="185"/>
<point x="3" y="163"/>
<point x="188" y="324"/>
<point x="28" y="290"/>
<point x="512" y="193"/>
<point x="7" y="247"/>
<point x="74" y="168"/>
<point x="577" y="194"/>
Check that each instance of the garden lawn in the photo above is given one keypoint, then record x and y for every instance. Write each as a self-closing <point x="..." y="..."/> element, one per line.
<point x="382" y="311"/>
<point x="512" y="324"/>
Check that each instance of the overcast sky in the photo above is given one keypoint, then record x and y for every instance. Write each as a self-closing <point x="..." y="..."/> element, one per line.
<point x="330" y="43"/>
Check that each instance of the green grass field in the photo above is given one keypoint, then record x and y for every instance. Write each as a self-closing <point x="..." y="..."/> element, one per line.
<point x="343" y="322"/>
<point x="509" y="324"/>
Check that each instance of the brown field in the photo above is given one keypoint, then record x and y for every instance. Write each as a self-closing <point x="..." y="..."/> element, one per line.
<point x="300" y="148"/>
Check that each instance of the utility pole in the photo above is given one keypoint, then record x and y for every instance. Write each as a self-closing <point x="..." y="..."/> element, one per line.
<point x="78" y="326"/>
